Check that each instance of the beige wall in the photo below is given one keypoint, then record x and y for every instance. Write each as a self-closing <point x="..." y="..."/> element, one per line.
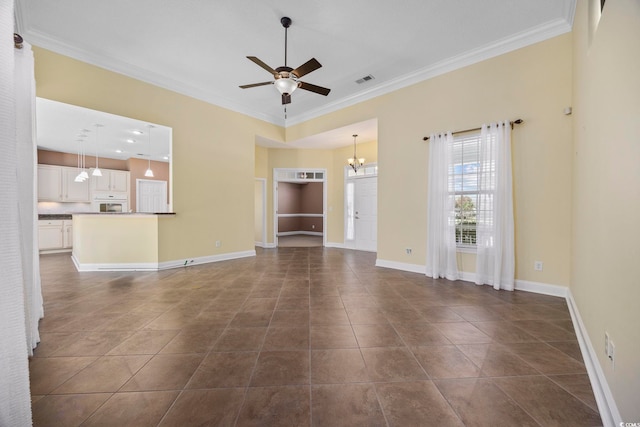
<point x="213" y="152"/>
<point x="606" y="189"/>
<point x="534" y="84"/>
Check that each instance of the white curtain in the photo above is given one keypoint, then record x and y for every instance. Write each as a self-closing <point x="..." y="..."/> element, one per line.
<point x="20" y="295"/>
<point x="441" y="236"/>
<point x="495" y="260"/>
<point x="27" y="190"/>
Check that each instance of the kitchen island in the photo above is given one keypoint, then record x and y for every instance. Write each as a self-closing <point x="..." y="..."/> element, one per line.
<point x="116" y="241"/>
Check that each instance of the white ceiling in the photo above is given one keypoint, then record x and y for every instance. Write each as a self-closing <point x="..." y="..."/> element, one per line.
<point x="198" y="48"/>
<point x="60" y="127"/>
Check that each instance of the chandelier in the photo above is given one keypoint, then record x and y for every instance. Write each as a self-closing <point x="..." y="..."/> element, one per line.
<point x="355" y="162"/>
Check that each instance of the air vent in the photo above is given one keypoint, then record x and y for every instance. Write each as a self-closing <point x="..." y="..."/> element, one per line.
<point x="365" y="79"/>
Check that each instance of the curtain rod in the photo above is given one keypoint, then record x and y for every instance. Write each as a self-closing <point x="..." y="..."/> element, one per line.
<point x="17" y="41"/>
<point x="514" y="122"/>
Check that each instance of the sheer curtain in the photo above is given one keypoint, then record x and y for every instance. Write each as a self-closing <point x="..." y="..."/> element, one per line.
<point x="25" y="98"/>
<point x="441" y="236"/>
<point x="20" y="295"/>
<point x="495" y="260"/>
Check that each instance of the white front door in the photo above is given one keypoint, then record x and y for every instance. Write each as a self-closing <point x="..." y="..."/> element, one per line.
<point x="366" y="213"/>
<point x="151" y="195"/>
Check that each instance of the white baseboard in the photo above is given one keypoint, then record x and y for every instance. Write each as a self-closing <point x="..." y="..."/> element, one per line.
<point x="542" y="288"/>
<point x="140" y="266"/>
<point x="604" y="398"/>
<point x="299" y="233"/>
<point x="154" y="266"/>
<point x="205" y="259"/>
<point x="265" y="245"/>
<point x="466" y="276"/>
<point x="54" y="251"/>
<point x="335" y="245"/>
<point x="413" y="268"/>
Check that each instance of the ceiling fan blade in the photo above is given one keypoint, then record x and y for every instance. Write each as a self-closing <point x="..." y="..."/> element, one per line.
<point x="286" y="99"/>
<point x="307" y="67"/>
<point x="255" y="84"/>
<point x="262" y="64"/>
<point x="313" y="88"/>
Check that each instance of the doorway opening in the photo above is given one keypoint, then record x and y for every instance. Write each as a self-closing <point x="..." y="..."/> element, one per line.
<point x="300" y="197"/>
<point x="361" y="208"/>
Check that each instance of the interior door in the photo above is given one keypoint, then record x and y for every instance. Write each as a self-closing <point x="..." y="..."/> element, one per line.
<point x="152" y="196"/>
<point x="366" y="214"/>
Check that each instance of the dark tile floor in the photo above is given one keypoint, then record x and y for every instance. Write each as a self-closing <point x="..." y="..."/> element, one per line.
<point x="299" y="337"/>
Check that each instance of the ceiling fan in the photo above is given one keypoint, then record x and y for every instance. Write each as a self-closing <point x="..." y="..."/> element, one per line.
<point x="286" y="79"/>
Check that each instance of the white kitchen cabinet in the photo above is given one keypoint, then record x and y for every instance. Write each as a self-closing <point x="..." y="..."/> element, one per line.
<point x="73" y="191"/>
<point x="113" y="181"/>
<point x="67" y="237"/>
<point x="55" y="234"/>
<point x="49" y="183"/>
<point x="50" y="234"/>
<point x="57" y="184"/>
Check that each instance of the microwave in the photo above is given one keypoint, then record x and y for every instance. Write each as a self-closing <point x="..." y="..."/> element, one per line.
<point x="112" y="207"/>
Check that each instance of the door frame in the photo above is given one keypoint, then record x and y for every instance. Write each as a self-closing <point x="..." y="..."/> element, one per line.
<point x="294" y="175"/>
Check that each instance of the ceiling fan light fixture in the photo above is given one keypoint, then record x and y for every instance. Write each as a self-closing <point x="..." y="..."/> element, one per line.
<point x="286" y="85"/>
<point x="286" y="78"/>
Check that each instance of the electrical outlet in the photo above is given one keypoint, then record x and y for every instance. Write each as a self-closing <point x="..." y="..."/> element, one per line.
<point x="408" y="251"/>
<point x="537" y="265"/>
<point x="218" y="243"/>
<point x="606" y="343"/>
<point x="313" y="226"/>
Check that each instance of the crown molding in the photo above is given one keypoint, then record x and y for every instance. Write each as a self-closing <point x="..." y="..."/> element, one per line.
<point x="500" y="47"/>
<point x="121" y="67"/>
<point x="534" y="35"/>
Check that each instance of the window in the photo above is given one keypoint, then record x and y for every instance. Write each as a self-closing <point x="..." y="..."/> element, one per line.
<point x="463" y="186"/>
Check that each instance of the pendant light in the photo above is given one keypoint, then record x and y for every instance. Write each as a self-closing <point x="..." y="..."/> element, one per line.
<point x="83" y="175"/>
<point x="97" y="171"/>
<point x="355" y="162"/>
<point x="78" y="177"/>
<point x="149" y="172"/>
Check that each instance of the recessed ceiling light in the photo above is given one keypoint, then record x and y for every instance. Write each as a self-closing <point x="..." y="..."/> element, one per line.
<point x="118" y="151"/>
<point x="137" y="132"/>
<point x="166" y="157"/>
<point x="131" y="141"/>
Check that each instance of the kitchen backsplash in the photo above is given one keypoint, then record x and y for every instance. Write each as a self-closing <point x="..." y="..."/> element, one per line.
<point x="62" y="208"/>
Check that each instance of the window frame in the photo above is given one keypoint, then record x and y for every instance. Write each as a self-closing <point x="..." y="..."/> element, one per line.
<point x="469" y="138"/>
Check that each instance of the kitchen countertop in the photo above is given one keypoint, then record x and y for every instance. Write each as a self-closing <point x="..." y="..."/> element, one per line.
<point x="124" y="213"/>
<point x="53" y="216"/>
